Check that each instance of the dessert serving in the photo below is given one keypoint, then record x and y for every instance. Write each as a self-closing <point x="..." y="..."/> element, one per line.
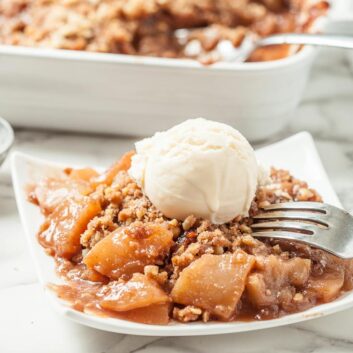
<point x="164" y="234"/>
<point x="152" y="27"/>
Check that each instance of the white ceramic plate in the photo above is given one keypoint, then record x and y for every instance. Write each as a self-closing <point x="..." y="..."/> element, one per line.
<point x="297" y="153"/>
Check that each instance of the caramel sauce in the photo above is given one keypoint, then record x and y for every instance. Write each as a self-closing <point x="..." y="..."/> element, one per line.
<point x="84" y="291"/>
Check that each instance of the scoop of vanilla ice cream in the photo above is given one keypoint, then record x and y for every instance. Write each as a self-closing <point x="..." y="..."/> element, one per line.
<point x="198" y="167"/>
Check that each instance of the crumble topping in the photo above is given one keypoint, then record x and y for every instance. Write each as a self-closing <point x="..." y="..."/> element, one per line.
<point x="147" y="27"/>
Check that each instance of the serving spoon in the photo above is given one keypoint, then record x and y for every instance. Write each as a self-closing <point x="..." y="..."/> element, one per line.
<point x="250" y="43"/>
<point x="323" y="40"/>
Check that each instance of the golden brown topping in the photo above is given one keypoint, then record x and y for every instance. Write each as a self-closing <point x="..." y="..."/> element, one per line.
<point x="147" y="27"/>
<point x="152" y="271"/>
<point x="189" y="222"/>
<point x="187" y="314"/>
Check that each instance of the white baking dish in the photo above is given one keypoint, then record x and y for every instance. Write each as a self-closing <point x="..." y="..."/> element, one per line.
<point x="130" y="95"/>
<point x="123" y="94"/>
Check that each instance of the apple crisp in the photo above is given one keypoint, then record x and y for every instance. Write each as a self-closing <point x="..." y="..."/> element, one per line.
<point x="148" y="27"/>
<point x="121" y="257"/>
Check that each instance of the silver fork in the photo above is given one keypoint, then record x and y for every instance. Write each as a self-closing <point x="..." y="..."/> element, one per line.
<point x="314" y="223"/>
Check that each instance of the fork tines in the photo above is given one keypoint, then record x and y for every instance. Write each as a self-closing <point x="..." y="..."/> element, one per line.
<point x="298" y="217"/>
<point x="317" y="207"/>
<point x="317" y="224"/>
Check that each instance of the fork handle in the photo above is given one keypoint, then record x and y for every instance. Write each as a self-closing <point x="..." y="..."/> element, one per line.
<point x="325" y="40"/>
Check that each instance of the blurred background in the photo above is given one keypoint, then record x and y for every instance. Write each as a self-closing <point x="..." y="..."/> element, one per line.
<point x="129" y="95"/>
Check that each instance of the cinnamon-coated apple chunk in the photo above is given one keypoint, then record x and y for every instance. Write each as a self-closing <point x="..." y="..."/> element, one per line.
<point x="140" y="291"/>
<point x="123" y="164"/>
<point x="273" y="276"/>
<point x="327" y="287"/>
<point x="140" y="299"/>
<point x="214" y="283"/>
<point x="155" y="314"/>
<point x="82" y="174"/>
<point x="61" y="231"/>
<point x="129" y="249"/>
<point x="50" y="192"/>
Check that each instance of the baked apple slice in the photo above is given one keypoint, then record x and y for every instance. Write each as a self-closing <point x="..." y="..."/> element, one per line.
<point x="327" y="287"/>
<point x="156" y="314"/>
<point x="61" y="231"/>
<point x="275" y="275"/>
<point x="214" y="283"/>
<point x="140" y="291"/>
<point x="82" y="174"/>
<point x="108" y="176"/>
<point x="50" y="192"/>
<point x="129" y="249"/>
<point x="140" y="299"/>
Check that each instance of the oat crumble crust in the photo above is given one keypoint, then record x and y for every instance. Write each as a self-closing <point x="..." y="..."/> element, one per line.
<point x="285" y="277"/>
<point x="146" y="27"/>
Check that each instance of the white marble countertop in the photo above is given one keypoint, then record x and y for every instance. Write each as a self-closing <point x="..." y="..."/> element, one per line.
<point x="28" y="324"/>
